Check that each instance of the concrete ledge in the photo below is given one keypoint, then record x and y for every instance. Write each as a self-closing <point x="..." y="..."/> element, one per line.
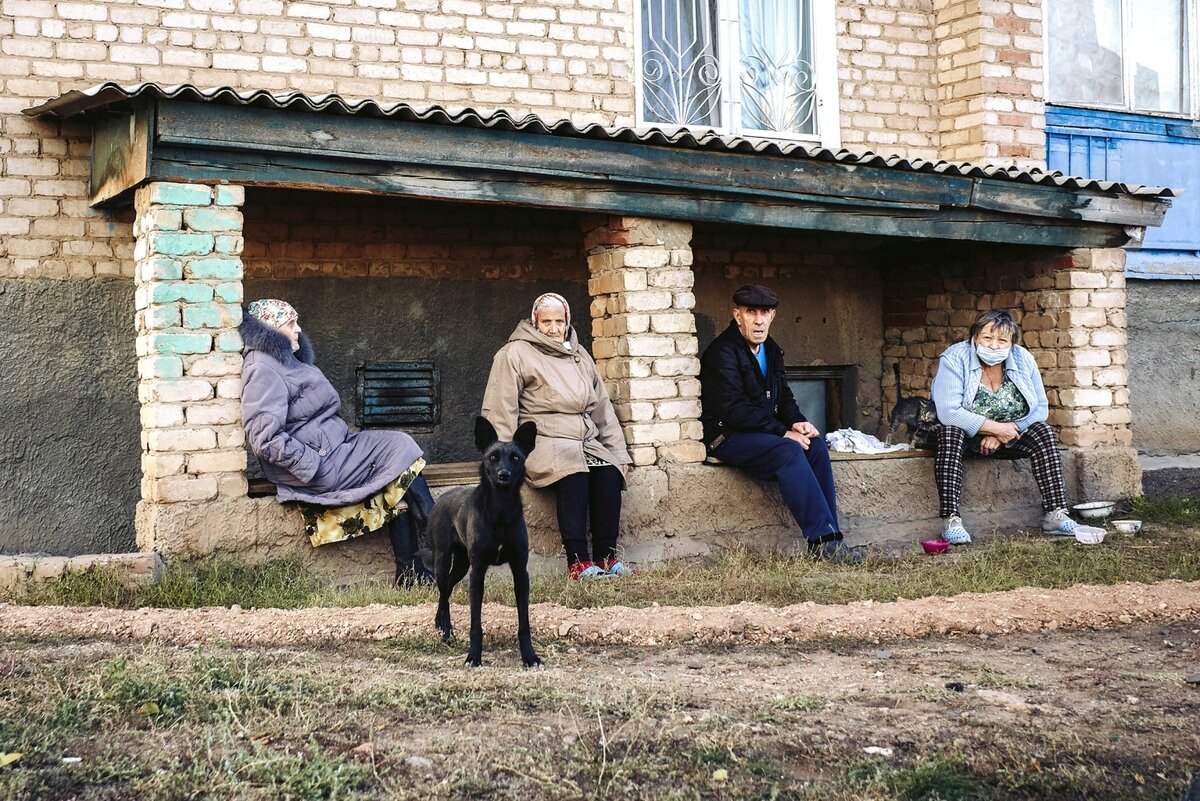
<point x="673" y="511"/>
<point x="131" y="568"/>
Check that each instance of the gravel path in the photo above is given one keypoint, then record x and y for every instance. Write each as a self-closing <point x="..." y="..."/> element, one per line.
<point x="1027" y="609"/>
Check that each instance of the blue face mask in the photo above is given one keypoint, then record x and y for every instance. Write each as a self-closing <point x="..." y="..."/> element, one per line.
<point x="992" y="356"/>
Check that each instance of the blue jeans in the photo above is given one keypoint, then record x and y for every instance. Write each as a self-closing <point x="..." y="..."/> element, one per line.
<point x="805" y="476"/>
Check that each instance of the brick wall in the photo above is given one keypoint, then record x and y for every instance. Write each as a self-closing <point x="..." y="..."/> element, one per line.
<point x="305" y="234"/>
<point x="557" y="58"/>
<point x="887" y="77"/>
<point x="1071" y="308"/>
<point x="990" y="82"/>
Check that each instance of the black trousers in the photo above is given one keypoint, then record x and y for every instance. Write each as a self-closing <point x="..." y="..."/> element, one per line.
<point x="408" y="527"/>
<point x="595" y="494"/>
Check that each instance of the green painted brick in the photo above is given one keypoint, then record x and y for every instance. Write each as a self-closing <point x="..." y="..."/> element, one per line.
<point x="211" y="315"/>
<point x="165" y="194"/>
<point x="164" y="316"/>
<point x="228" y="244"/>
<point x="176" y="244"/>
<point x="164" y="269"/>
<point x="180" y="343"/>
<point x="161" y="367"/>
<point x="213" y="219"/>
<point x="219" y="269"/>
<point x="230" y="195"/>
<point x="186" y="291"/>
<point x="230" y="293"/>
<point x="229" y="342"/>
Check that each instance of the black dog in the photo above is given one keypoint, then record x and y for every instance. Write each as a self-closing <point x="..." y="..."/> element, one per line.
<point x="477" y="527"/>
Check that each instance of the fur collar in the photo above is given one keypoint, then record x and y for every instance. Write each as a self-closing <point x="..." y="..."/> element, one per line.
<point x="257" y="335"/>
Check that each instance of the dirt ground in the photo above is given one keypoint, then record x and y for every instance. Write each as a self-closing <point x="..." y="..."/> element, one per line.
<point x="1103" y="714"/>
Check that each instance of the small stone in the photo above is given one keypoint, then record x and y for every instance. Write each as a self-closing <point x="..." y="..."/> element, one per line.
<point x="882" y="655"/>
<point x="1192" y="679"/>
<point x="956" y="686"/>
<point x="695" y="664"/>
<point x="419" y="763"/>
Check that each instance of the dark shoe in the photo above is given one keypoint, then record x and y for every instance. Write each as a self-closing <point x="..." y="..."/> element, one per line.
<point x="832" y="548"/>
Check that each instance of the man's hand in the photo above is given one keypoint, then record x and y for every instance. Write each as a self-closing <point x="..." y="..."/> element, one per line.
<point x="988" y="445"/>
<point x="806" y="429"/>
<point x="798" y="437"/>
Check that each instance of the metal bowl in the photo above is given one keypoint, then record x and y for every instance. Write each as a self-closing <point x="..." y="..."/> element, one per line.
<point x="1088" y="535"/>
<point x="1095" y="509"/>
<point x="1127" y="526"/>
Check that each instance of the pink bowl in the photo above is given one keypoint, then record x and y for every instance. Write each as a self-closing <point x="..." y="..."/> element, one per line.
<point x="935" y="546"/>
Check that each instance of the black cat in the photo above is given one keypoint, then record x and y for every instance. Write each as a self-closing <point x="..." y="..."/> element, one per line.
<point x="917" y="413"/>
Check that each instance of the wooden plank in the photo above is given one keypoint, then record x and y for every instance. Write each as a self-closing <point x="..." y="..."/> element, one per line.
<point x="289" y="171"/>
<point x="397" y="142"/>
<point x="1044" y="201"/>
<point x="120" y="155"/>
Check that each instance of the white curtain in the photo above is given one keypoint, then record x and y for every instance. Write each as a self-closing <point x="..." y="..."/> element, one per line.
<point x="681" y="70"/>
<point x="778" y="81"/>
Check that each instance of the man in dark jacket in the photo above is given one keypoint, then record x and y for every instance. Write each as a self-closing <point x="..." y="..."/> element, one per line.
<point x="751" y="421"/>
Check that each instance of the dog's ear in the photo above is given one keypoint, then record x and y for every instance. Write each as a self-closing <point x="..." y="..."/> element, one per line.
<point x="485" y="433"/>
<point x="526" y="436"/>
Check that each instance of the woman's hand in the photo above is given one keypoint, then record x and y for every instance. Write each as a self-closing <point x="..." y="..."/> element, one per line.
<point x="988" y="445"/>
<point x="1004" y="432"/>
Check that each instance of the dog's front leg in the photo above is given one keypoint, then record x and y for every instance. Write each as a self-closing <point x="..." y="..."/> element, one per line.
<point x="479" y="568"/>
<point x="520" y="572"/>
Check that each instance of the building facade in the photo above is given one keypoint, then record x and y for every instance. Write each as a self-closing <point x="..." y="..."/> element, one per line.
<point x="121" y="289"/>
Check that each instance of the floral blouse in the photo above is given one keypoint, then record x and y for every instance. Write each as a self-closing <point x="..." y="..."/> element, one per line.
<point x="1005" y="405"/>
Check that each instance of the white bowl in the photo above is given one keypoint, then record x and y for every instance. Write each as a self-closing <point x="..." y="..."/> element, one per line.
<point x="1095" y="509"/>
<point x="1089" y="535"/>
<point x="1127" y="526"/>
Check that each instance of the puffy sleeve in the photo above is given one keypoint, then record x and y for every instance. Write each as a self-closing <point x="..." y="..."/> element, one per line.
<point x="264" y="415"/>
<point x="948" y="386"/>
<point x="501" y="398"/>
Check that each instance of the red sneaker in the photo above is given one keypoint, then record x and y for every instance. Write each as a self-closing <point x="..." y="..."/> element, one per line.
<point x="584" y="570"/>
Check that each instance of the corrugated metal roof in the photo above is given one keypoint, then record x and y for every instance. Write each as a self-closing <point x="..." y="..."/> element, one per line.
<point x="107" y="94"/>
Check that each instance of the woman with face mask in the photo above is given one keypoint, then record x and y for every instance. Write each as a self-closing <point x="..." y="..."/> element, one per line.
<point x="347" y="483"/>
<point x="990" y="400"/>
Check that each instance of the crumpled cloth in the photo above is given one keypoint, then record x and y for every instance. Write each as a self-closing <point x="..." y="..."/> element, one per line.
<point x="849" y="440"/>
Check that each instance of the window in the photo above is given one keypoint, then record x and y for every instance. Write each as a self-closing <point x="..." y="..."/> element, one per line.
<point x="751" y="67"/>
<point x="1128" y="55"/>
<point x="825" y="394"/>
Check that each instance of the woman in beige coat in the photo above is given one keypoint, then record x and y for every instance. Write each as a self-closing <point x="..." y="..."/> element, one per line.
<point x="543" y="375"/>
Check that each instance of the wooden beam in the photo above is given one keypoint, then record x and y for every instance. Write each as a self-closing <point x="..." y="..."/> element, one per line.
<point x="120" y="155"/>
<point x="285" y="170"/>
<point x="469" y="149"/>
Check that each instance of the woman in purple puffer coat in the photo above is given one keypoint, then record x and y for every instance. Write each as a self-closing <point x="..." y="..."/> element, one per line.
<point x="347" y="483"/>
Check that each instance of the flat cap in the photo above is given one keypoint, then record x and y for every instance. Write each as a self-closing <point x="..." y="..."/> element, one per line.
<point x="757" y="296"/>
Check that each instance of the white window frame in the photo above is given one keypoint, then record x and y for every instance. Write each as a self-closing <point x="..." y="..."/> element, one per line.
<point x="828" y="119"/>
<point x="1192" y="12"/>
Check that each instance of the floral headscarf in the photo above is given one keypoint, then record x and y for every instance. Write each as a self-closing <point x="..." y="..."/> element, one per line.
<point x="274" y="313"/>
<point x="547" y="300"/>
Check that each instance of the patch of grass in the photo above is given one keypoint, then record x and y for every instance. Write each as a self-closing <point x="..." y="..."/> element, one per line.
<point x="779" y="709"/>
<point x="729" y="577"/>
<point x="989" y="679"/>
<point x="1170" y="510"/>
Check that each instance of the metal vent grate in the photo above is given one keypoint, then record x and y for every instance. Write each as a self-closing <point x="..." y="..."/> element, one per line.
<point x="399" y="394"/>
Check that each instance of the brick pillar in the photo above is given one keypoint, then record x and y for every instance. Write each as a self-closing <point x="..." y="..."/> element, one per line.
<point x="644" y="333"/>
<point x="991" y="89"/>
<point x="188" y="276"/>
<point x="1079" y="322"/>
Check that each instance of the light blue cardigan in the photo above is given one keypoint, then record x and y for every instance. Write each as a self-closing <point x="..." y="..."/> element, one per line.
<point x="959" y="375"/>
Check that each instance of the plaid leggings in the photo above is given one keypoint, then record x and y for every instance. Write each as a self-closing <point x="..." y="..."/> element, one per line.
<point x="1037" y="443"/>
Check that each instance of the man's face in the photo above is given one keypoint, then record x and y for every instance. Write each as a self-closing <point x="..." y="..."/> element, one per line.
<point x="754" y="322"/>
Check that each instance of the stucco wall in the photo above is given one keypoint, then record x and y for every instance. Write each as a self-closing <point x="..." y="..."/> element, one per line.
<point x="69" y="430"/>
<point x="1164" y="365"/>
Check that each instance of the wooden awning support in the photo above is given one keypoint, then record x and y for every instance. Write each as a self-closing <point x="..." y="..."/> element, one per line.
<point x="176" y="140"/>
